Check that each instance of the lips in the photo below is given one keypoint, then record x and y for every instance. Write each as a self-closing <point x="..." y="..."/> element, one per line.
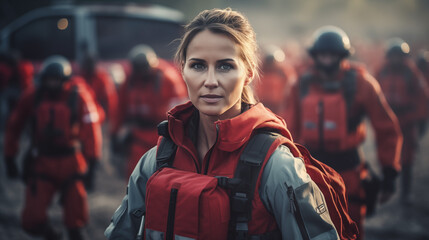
<point x="211" y="98"/>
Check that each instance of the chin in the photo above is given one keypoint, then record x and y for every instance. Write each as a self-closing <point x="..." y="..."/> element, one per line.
<point x="211" y="110"/>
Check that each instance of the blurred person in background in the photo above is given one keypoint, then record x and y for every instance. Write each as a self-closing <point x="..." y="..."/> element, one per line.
<point x="153" y="87"/>
<point x="16" y="75"/>
<point x="66" y="138"/>
<point x="326" y="113"/>
<point x="277" y="77"/>
<point x="102" y="87"/>
<point x="407" y="93"/>
<point x="104" y="93"/>
<point x="422" y="62"/>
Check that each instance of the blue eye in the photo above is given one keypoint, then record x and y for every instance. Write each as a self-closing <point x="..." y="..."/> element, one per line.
<point x="198" y="66"/>
<point x="225" y="67"/>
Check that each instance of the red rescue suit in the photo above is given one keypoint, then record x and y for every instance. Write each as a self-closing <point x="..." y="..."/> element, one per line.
<point x="65" y="135"/>
<point x="408" y="95"/>
<point x="143" y="103"/>
<point x="274" y="86"/>
<point x="336" y="143"/>
<point x="104" y="92"/>
<point x="15" y="79"/>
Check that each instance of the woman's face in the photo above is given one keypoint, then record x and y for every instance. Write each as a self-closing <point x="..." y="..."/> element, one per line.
<point x="215" y="75"/>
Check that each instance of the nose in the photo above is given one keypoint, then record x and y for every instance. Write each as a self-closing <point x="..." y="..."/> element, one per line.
<point x="211" y="79"/>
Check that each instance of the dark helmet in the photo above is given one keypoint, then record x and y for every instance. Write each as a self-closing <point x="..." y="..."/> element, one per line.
<point x="143" y="58"/>
<point x="397" y="47"/>
<point x="330" y="39"/>
<point x="422" y="60"/>
<point x="57" y="67"/>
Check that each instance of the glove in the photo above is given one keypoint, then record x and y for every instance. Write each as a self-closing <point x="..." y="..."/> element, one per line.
<point x="89" y="177"/>
<point x="11" y="168"/>
<point x="388" y="184"/>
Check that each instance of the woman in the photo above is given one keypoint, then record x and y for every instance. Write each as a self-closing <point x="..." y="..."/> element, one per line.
<point x="218" y="61"/>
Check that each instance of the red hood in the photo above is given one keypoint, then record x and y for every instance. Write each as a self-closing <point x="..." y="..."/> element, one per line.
<point x="232" y="133"/>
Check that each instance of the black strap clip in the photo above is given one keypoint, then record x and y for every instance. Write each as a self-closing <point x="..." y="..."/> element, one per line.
<point x="228" y="183"/>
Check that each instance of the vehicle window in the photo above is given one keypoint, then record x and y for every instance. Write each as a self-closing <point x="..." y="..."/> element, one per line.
<point x="116" y="36"/>
<point x="44" y="37"/>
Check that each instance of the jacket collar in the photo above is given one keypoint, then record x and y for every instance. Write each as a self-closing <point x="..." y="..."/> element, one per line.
<point x="232" y="133"/>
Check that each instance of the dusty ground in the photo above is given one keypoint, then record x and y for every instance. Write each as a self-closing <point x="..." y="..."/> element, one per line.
<point x="398" y="222"/>
<point x="392" y="220"/>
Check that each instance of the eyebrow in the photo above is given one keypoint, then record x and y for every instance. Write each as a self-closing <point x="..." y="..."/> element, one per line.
<point x="226" y="60"/>
<point x="221" y="60"/>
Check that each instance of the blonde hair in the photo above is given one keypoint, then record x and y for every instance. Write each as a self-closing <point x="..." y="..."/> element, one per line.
<point x="234" y="25"/>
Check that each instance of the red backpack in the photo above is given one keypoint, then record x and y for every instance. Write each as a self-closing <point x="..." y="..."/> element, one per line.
<point x="332" y="186"/>
<point x="325" y="115"/>
<point x="220" y="207"/>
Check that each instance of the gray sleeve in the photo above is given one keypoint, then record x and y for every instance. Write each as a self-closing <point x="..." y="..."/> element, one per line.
<point x="126" y="220"/>
<point x="285" y="172"/>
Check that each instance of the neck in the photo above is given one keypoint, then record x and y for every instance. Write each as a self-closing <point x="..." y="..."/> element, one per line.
<point x="206" y="129"/>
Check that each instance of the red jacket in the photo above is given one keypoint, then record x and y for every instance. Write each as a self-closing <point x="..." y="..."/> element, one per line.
<point x="104" y="92"/>
<point x="406" y="91"/>
<point x="26" y="74"/>
<point x="233" y="134"/>
<point x="368" y="101"/>
<point x="274" y="86"/>
<point x="149" y="100"/>
<point x="87" y="130"/>
<point x="23" y="73"/>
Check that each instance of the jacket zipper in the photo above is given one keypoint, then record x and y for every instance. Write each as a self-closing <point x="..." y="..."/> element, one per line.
<point x="194" y="159"/>
<point x="294" y="208"/>
<point x="209" y="153"/>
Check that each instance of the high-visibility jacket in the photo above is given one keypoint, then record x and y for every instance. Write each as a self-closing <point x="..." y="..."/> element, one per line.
<point x="274" y="86"/>
<point x="104" y="92"/>
<point x="368" y="101"/>
<point x="406" y="91"/>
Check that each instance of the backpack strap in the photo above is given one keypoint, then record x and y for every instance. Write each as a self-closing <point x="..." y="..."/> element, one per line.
<point x="349" y="87"/>
<point x="304" y="84"/>
<point x="166" y="148"/>
<point x="247" y="171"/>
<point x="349" y="93"/>
<point x="72" y="103"/>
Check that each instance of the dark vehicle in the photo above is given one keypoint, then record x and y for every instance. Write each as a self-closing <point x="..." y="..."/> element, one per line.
<point x="109" y="31"/>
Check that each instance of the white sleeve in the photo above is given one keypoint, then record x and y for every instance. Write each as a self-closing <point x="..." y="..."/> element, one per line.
<point x="285" y="178"/>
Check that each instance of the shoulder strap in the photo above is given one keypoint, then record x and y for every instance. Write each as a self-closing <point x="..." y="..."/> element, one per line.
<point x="304" y="84"/>
<point x="349" y="93"/>
<point x="247" y="171"/>
<point x="72" y="103"/>
<point x="409" y="77"/>
<point x="166" y="148"/>
<point x="349" y="86"/>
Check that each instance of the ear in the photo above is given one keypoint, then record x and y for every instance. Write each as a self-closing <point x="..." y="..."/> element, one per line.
<point x="249" y="78"/>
